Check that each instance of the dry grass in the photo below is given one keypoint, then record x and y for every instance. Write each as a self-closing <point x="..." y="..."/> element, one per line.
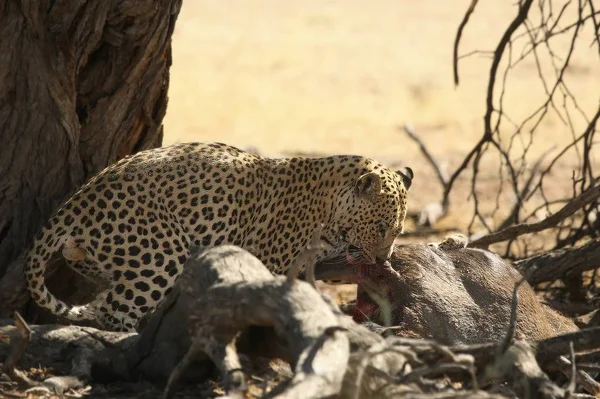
<point x="340" y="77"/>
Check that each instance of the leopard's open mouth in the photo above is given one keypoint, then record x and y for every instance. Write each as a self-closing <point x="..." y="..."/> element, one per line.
<point x="355" y="255"/>
<point x="342" y="264"/>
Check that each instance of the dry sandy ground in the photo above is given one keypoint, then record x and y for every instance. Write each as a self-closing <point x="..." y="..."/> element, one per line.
<point x="341" y="76"/>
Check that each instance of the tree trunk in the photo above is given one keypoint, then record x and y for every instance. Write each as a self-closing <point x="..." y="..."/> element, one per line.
<point x="82" y="84"/>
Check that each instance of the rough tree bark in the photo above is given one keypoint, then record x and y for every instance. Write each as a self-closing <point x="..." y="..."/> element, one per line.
<point x="557" y="264"/>
<point x="82" y="84"/>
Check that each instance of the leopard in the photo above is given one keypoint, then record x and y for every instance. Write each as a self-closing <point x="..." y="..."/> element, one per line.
<point x="135" y="223"/>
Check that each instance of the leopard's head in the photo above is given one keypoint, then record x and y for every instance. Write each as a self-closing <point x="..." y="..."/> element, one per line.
<point x="370" y="213"/>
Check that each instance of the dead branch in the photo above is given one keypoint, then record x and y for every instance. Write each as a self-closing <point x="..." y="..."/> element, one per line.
<point x="48" y="345"/>
<point x="512" y="325"/>
<point x="514" y="214"/>
<point x="584" y="341"/>
<point x="431" y="213"/>
<point x="573" y="380"/>
<point x="462" y="25"/>
<point x="227" y="290"/>
<point x="581" y="377"/>
<point x="453" y="395"/>
<point x="554" y="265"/>
<point x="17" y="351"/>
<point x="498" y="53"/>
<point x="533" y="35"/>
<point x="312" y="250"/>
<point x="519" y="365"/>
<point x="587" y="197"/>
<point x="441" y="175"/>
<point x="547" y="350"/>
<point x="584" y="379"/>
<point x="384" y="359"/>
<point x="306" y="261"/>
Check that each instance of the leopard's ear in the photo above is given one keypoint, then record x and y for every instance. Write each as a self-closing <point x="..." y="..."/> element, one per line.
<point x="368" y="185"/>
<point x="407" y="176"/>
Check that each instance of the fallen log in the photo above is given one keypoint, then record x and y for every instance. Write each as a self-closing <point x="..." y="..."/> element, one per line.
<point x="70" y="351"/>
<point x="223" y="291"/>
<point x="211" y="288"/>
<point x="555" y="265"/>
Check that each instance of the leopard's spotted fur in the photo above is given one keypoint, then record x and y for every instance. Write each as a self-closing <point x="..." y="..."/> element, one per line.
<point x="134" y="223"/>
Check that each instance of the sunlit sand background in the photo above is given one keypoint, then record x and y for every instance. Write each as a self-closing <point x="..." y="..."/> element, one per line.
<point x="343" y="76"/>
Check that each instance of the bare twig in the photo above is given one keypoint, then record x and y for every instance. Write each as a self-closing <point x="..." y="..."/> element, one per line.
<point x="573" y="381"/>
<point x="311" y="256"/>
<point x="441" y="175"/>
<point x="534" y="35"/>
<point x="512" y="325"/>
<point x="573" y="206"/>
<point x="498" y="53"/>
<point x="306" y="261"/>
<point x="434" y="211"/>
<point x="514" y="214"/>
<point x="458" y="36"/>
<point x="17" y="351"/>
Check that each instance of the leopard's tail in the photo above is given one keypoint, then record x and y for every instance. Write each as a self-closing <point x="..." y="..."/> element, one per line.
<point x="48" y="241"/>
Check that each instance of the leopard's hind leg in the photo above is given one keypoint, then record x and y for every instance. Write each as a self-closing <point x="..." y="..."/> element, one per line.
<point x="137" y="290"/>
